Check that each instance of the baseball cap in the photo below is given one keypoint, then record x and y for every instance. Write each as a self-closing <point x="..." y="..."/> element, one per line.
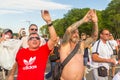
<point x="7" y="30"/>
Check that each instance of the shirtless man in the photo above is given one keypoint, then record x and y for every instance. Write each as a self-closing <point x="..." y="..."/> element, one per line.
<point x="74" y="69"/>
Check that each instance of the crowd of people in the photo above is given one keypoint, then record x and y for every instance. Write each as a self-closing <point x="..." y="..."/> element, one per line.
<point x="28" y="54"/>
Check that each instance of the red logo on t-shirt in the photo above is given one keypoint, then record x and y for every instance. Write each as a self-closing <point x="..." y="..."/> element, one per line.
<point x="28" y="64"/>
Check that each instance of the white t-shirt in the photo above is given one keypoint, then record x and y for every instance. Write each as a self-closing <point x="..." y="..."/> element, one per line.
<point x="8" y="50"/>
<point x="104" y="51"/>
<point x="117" y="76"/>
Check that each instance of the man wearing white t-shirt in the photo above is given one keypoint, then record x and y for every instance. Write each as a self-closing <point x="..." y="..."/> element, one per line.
<point x="8" y="49"/>
<point x="101" y="54"/>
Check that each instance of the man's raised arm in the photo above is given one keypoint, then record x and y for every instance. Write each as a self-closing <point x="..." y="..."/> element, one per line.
<point x="53" y="36"/>
<point x="85" y="19"/>
<point x="94" y="34"/>
<point x="95" y="27"/>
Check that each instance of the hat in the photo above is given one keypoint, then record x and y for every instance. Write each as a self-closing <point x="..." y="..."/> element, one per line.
<point x="7" y="30"/>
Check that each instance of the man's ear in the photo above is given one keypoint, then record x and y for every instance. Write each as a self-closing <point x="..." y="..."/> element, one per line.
<point x="100" y="34"/>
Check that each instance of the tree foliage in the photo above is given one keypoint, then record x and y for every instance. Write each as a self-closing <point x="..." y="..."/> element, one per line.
<point x="108" y="18"/>
<point x="112" y="17"/>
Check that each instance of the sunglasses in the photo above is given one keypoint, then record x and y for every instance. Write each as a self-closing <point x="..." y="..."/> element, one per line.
<point x="32" y="29"/>
<point x="32" y="38"/>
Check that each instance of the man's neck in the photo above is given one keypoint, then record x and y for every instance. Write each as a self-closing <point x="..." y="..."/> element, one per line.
<point x="72" y="44"/>
<point x="104" y="41"/>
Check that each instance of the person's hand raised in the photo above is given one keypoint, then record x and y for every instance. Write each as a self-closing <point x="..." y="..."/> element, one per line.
<point x="94" y="17"/>
<point x="46" y="16"/>
<point x="87" y="17"/>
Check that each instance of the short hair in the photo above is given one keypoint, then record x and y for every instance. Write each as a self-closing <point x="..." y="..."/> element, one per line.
<point x="101" y="31"/>
<point x="33" y="34"/>
<point x="33" y="25"/>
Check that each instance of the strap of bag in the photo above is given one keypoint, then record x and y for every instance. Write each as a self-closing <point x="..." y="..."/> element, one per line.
<point x="97" y="46"/>
<point x="97" y="50"/>
<point x="70" y="55"/>
<point x="114" y="50"/>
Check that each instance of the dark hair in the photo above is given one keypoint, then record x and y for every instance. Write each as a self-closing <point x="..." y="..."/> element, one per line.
<point x="33" y="25"/>
<point x="101" y="31"/>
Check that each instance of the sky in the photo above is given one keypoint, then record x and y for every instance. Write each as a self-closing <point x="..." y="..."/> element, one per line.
<point x="16" y="14"/>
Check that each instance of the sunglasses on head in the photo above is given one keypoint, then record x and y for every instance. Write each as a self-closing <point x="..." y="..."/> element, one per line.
<point x="32" y="38"/>
<point x="32" y="29"/>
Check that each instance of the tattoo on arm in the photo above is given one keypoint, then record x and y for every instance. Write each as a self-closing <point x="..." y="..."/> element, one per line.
<point x="93" y="37"/>
<point x="74" y="26"/>
<point x="81" y="49"/>
<point x="95" y="31"/>
<point x="70" y="29"/>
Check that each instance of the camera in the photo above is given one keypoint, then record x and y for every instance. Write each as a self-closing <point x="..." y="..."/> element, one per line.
<point x="6" y="36"/>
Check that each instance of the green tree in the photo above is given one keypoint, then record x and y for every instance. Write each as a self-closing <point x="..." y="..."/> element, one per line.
<point x="108" y="18"/>
<point x="71" y="17"/>
<point x="111" y="17"/>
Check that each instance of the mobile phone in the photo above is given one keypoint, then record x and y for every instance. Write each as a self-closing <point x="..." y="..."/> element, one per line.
<point x="6" y="36"/>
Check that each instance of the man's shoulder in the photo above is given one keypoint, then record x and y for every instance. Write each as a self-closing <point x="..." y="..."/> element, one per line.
<point x="96" y="44"/>
<point x="65" y="44"/>
<point x="23" y="51"/>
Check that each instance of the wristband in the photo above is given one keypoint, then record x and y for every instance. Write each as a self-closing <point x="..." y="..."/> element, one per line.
<point x="50" y="24"/>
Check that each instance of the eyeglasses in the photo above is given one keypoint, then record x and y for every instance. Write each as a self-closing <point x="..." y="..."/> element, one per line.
<point x="32" y="38"/>
<point x="32" y="29"/>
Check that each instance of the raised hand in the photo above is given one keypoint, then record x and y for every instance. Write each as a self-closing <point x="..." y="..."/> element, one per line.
<point x="88" y="16"/>
<point x="46" y="16"/>
<point x="94" y="17"/>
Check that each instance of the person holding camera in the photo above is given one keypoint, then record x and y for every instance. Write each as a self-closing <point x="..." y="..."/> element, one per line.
<point x="22" y="33"/>
<point x="8" y="50"/>
<point x="6" y="34"/>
